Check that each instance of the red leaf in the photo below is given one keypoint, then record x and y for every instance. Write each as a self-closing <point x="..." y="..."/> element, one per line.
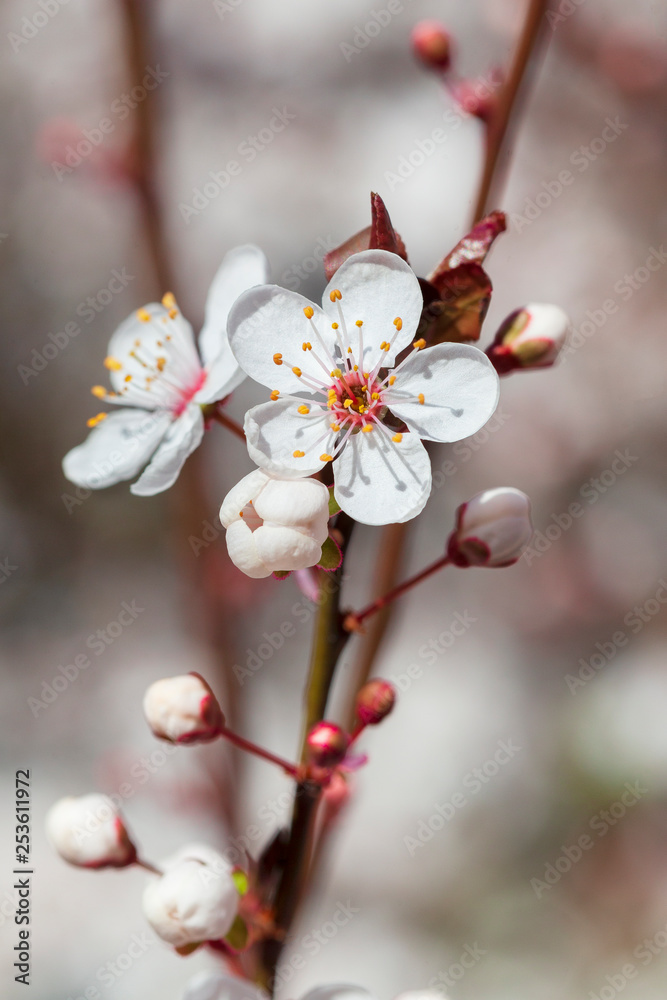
<point x="380" y="235"/>
<point x="457" y="315"/>
<point x="473" y="248"/>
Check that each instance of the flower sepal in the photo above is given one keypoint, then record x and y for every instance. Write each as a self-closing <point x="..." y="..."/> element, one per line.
<point x="380" y="235"/>
<point x="332" y="555"/>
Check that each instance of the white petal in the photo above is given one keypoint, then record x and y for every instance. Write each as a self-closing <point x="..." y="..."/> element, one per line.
<point x="286" y="548"/>
<point x="269" y="320"/>
<point x="117" y="448"/>
<point x="296" y="503"/>
<point x="241" y="494"/>
<point x="184" y="436"/>
<point x="460" y="388"/>
<point x="376" y="287"/>
<point x="217" y="986"/>
<point x="243" y="552"/>
<point x="242" y="268"/>
<point x="274" y="431"/>
<point x="338" y="991"/>
<point x="380" y="482"/>
<point x="137" y="345"/>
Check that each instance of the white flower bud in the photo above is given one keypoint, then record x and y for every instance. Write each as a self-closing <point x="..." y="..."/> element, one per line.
<point x="183" y="709"/>
<point x="531" y="337"/>
<point x="492" y="529"/>
<point x="89" y="832"/>
<point x="275" y="524"/>
<point x="194" y="900"/>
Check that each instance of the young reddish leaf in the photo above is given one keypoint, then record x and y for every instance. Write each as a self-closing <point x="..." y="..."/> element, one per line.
<point x="332" y="555"/>
<point x="380" y="235"/>
<point x="472" y="248"/>
<point x="465" y="293"/>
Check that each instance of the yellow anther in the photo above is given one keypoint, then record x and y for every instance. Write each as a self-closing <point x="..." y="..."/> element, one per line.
<point x="297" y="372"/>
<point x="112" y="364"/>
<point x="128" y="378"/>
<point x="392" y="379"/>
<point x="309" y="312"/>
<point x="306" y="346"/>
<point x="420" y="344"/>
<point x="398" y="323"/>
<point x="362" y="408"/>
<point x="240" y="513"/>
<point x="367" y="428"/>
<point x="336" y="373"/>
<point x="420" y="397"/>
<point x="397" y="438"/>
<point x="325" y="457"/>
<point x="277" y="359"/>
<point x="348" y="403"/>
<point x="356" y="368"/>
<point x="99" y="391"/>
<point x="275" y="394"/>
<point x="144" y="315"/>
<point x="304" y="409"/>
<point x="335" y="427"/>
<point x="169" y="300"/>
<point x="375" y="395"/>
<point x="173" y="313"/>
<point x="359" y="322"/>
<point x="334" y="326"/>
<point x="160" y="363"/>
<point x="298" y="454"/>
<point x="385" y="345"/>
<point x="94" y="421"/>
<point x="349" y="350"/>
<point x="367" y="374"/>
<point x="335" y="295"/>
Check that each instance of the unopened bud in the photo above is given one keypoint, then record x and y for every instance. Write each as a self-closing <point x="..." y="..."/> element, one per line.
<point x="327" y="745"/>
<point x="492" y="529"/>
<point x="375" y="701"/>
<point x="183" y="709"/>
<point x="477" y="98"/>
<point x="89" y="832"/>
<point x="195" y="900"/>
<point x="432" y="45"/>
<point x="529" y="338"/>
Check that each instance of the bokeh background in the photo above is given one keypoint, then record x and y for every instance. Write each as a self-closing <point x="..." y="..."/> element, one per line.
<point x="563" y="657"/>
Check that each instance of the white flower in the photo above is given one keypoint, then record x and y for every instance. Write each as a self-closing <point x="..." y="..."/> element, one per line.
<point x="492" y="529"/>
<point x="275" y="524"/>
<point x="183" y="709"/>
<point x="531" y="337"/>
<point x="161" y="381"/>
<point x="88" y="831"/>
<point x="194" y="900"/>
<point x="218" y="986"/>
<point x="364" y="417"/>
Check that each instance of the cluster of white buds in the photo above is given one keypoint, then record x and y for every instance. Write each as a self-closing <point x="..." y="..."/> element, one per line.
<point x="89" y="832"/>
<point x="183" y="709"/>
<point x="274" y="524"/>
<point x="194" y="900"/>
<point x="492" y="529"/>
<point x="531" y="337"/>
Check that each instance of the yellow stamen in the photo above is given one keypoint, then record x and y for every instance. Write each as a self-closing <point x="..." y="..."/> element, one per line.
<point x="304" y="409"/>
<point x="99" y="391"/>
<point x="335" y="427"/>
<point x="359" y="322"/>
<point x="375" y="395"/>
<point x="306" y="346"/>
<point x="94" y="421"/>
<point x="420" y="397"/>
<point x="277" y="359"/>
<point x="398" y="323"/>
<point x="173" y="313"/>
<point x="297" y="372"/>
<point x="367" y="428"/>
<point x="275" y="394"/>
<point x="397" y="438"/>
<point x="112" y="364"/>
<point x="161" y="362"/>
<point x="325" y="457"/>
<point x="169" y="300"/>
<point x="240" y="513"/>
<point x="348" y="403"/>
<point x="334" y="326"/>
<point x="336" y="373"/>
<point x="349" y="350"/>
<point x="298" y="454"/>
<point x="144" y="315"/>
<point x="420" y="344"/>
<point x="128" y="378"/>
<point x="384" y="346"/>
<point x="356" y="368"/>
<point x="309" y="312"/>
<point x="392" y="379"/>
<point x="335" y="295"/>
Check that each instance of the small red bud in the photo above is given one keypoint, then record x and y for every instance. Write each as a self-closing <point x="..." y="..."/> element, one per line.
<point x="375" y="701"/>
<point x="327" y="744"/>
<point x="432" y="45"/>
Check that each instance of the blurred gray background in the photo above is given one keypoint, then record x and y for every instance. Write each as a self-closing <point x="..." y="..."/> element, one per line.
<point x="564" y="656"/>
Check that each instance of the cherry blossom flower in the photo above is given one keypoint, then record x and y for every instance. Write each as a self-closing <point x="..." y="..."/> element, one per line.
<point x="194" y="900"/>
<point x="531" y="337"/>
<point x="275" y="524"/>
<point x="338" y="396"/>
<point x="183" y="709"/>
<point x="218" y="986"/>
<point x="161" y="382"/>
<point x="89" y="832"/>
